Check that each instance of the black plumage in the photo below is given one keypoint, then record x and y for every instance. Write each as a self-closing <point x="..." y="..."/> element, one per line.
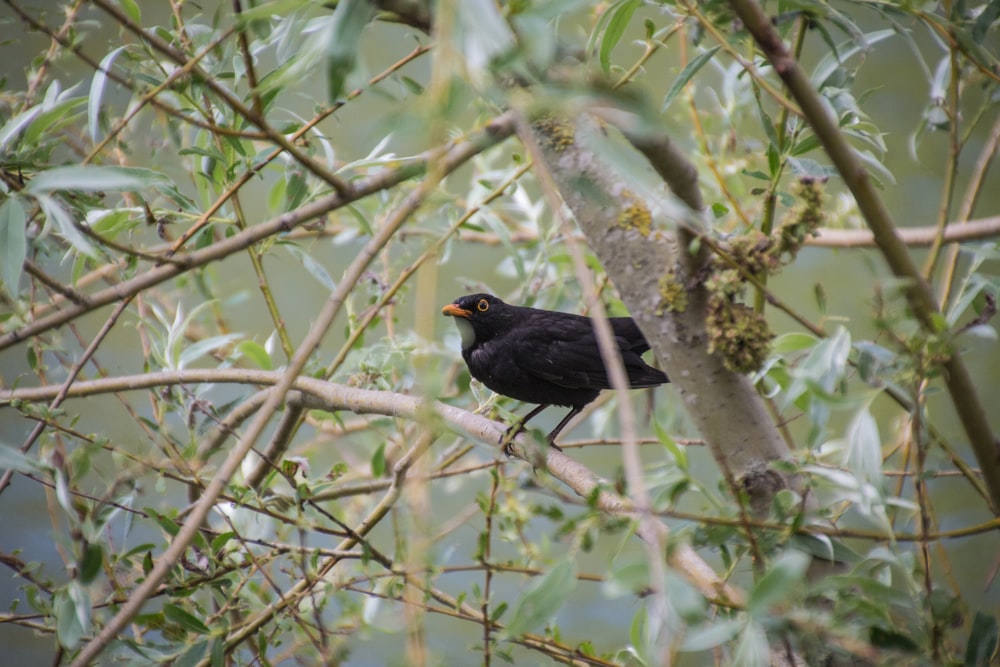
<point x="542" y="356"/>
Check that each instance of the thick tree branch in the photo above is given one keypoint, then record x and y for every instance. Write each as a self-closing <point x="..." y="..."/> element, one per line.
<point x="637" y="257"/>
<point x="313" y="394"/>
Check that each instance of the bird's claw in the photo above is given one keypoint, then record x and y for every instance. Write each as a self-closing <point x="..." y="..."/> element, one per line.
<point x="507" y="439"/>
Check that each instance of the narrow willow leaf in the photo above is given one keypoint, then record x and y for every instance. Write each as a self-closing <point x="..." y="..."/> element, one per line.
<point x="56" y="214"/>
<point x="185" y="619"/>
<point x="982" y="644"/>
<point x="864" y="447"/>
<point x="686" y="75"/>
<point x="710" y="635"/>
<point x="12" y="128"/>
<point x="486" y="36"/>
<point x="830" y="63"/>
<point x="97" y="86"/>
<point x="782" y="581"/>
<point x="91" y="178"/>
<point x="543" y="599"/>
<point x="13" y="242"/>
<point x="315" y="269"/>
<point x="343" y="34"/>
<point x="620" y="15"/>
<point x="11" y="458"/>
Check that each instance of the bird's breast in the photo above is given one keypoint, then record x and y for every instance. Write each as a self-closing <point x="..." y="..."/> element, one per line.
<point x="466" y="331"/>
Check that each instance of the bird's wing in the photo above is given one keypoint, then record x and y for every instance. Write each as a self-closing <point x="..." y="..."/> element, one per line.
<point x="565" y="353"/>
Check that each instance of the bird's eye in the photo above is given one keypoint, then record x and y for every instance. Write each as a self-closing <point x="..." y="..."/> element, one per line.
<point x="483" y="305"/>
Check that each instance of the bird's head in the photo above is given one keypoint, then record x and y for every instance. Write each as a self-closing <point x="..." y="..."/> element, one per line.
<point x="479" y="317"/>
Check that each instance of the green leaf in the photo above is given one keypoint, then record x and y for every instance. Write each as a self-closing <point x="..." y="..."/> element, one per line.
<point x="719" y="209"/>
<point x="309" y="263"/>
<point x="486" y="36"/>
<point x="72" y="622"/>
<point x="192" y="655"/>
<point x="887" y="638"/>
<point x="686" y="74"/>
<point x="52" y="120"/>
<point x="97" y="86"/>
<point x="11" y="458"/>
<point x="710" y="635"/>
<point x="545" y="596"/>
<point x="166" y="523"/>
<point x="109" y="223"/>
<point x="832" y="61"/>
<point x="67" y="226"/>
<point x="793" y="342"/>
<point x="752" y="649"/>
<point x="619" y="16"/>
<point x="985" y="21"/>
<point x="12" y="128"/>
<point x="378" y="461"/>
<point x="343" y="36"/>
<point x="132" y="9"/>
<point x="92" y="178"/>
<point x="783" y="580"/>
<point x="203" y="347"/>
<point x="266" y="10"/>
<point x="90" y="562"/>
<point x="982" y="642"/>
<point x="185" y="619"/>
<point x="863" y="455"/>
<point x="256" y="353"/>
<point x="13" y="242"/>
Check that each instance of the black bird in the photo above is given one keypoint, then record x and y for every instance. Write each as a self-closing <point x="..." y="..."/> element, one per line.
<point x="544" y="357"/>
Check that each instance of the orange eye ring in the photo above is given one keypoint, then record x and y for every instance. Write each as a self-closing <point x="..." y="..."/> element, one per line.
<point x="483" y="305"/>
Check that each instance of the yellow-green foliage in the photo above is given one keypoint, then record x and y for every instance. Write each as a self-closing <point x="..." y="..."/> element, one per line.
<point x="803" y="220"/>
<point x="737" y="334"/>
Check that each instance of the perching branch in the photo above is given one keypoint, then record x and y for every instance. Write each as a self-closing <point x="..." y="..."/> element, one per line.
<point x="312" y="394"/>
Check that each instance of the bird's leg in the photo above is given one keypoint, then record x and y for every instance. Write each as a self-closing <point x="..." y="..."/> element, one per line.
<point x="517" y="427"/>
<point x="551" y="437"/>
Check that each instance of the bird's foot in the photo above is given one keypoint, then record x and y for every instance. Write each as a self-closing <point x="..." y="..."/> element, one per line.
<point x="507" y="439"/>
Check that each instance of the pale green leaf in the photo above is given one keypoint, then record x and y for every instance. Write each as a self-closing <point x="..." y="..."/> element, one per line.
<point x="12" y="128"/>
<point x="686" y="75"/>
<point x="11" y="458"/>
<point x="56" y="214"/>
<point x="13" y="242"/>
<point x="783" y="581"/>
<point x="92" y="178"/>
<point x="97" y="86"/>
<point x="545" y="596"/>
<point x="342" y="39"/>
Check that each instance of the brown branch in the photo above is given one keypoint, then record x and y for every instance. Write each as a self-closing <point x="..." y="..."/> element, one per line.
<point x="322" y="395"/>
<point x="973" y="230"/>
